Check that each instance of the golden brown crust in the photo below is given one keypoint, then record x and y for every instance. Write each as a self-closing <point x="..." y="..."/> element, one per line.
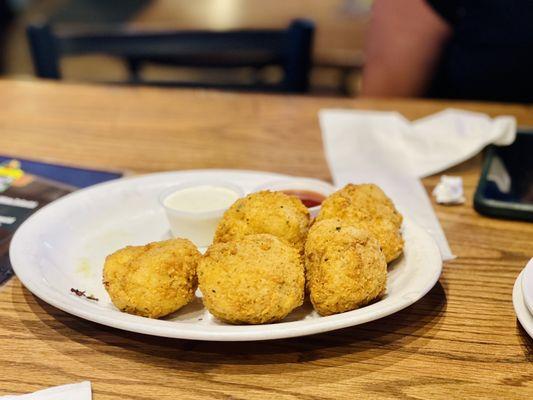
<point x="255" y="280"/>
<point x="152" y="280"/>
<point x="269" y="212"/>
<point x="366" y="206"/>
<point x="345" y="267"/>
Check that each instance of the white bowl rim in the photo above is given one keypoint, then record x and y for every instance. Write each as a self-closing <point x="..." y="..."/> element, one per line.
<point x="196" y="183"/>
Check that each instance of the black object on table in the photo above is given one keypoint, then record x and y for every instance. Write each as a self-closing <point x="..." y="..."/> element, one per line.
<point x="505" y="188"/>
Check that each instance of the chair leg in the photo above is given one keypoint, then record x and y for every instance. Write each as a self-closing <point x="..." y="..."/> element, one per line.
<point x="344" y="85"/>
<point x="256" y="76"/>
<point x="6" y="17"/>
<point x="134" y="69"/>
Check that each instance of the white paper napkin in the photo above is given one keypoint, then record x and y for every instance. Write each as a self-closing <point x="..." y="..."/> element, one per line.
<point x="75" y="391"/>
<point x="386" y="149"/>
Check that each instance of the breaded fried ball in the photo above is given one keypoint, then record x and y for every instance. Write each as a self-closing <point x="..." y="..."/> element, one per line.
<point x="366" y="206"/>
<point x="152" y="280"/>
<point x="275" y="213"/>
<point x="254" y="280"/>
<point x="345" y="267"/>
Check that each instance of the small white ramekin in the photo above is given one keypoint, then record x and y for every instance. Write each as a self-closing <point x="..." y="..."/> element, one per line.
<point x="309" y="184"/>
<point x="197" y="226"/>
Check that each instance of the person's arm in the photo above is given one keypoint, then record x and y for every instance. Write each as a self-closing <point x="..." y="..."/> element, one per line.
<point x="403" y="48"/>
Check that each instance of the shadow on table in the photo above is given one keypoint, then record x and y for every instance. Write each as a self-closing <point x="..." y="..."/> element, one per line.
<point x="526" y="341"/>
<point x="404" y="333"/>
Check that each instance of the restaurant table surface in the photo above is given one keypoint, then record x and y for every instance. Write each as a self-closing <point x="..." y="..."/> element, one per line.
<point x="462" y="340"/>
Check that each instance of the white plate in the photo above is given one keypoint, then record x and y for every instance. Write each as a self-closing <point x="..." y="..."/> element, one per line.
<point x="63" y="246"/>
<point x="527" y="285"/>
<point x="522" y="313"/>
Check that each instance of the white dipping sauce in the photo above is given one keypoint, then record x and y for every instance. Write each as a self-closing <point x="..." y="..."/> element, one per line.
<point x="201" y="199"/>
<point x="194" y="210"/>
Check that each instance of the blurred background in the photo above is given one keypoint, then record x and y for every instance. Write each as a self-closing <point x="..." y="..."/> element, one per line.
<point x="454" y="49"/>
<point x="334" y="28"/>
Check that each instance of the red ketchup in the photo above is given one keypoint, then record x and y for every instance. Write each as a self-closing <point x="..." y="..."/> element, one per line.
<point x="309" y="198"/>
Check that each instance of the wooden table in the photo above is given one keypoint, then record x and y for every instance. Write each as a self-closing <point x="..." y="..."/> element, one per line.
<point x="462" y="340"/>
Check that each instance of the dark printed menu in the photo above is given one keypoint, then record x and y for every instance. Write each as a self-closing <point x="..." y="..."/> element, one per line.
<point x="23" y="193"/>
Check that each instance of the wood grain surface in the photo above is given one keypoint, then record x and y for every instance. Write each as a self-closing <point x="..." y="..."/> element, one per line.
<point x="460" y="341"/>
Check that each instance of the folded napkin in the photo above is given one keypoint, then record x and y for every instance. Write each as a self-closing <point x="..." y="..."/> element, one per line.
<point x="77" y="391"/>
<point x="386" y="149"/>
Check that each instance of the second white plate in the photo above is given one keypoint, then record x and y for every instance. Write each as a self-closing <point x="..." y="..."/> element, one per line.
<point x="527" y="285"/>
<point x="522" y="312"/>
<point x="63" y="246"/>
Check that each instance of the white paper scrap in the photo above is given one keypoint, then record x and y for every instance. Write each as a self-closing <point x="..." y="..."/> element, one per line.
<point x="449" y="190"/>
<point x="78" y="391"/>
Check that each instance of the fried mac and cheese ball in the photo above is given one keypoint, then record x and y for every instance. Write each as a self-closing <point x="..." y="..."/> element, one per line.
<point x="366" y="206"/>
<point x="255" y="280"/>
<point x="275" y="213"/>
<point x="345" y="267"/>
<point x="152" y="280"/>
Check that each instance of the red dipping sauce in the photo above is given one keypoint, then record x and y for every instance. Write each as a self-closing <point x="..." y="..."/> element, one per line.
<point x="308" y="197"/>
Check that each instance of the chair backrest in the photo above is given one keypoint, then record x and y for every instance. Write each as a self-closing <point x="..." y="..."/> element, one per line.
<point x="289" y="48"/>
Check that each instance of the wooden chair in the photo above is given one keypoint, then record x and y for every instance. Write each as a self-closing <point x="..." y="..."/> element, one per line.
<point x="289" y="49"/>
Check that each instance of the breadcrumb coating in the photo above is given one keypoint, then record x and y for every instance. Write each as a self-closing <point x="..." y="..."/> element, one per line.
<point x="255" y="280"/>
<point x="345" y="267"/>
<point x="153" y="280"/>
<point x="275" y="213"/>
<point x="367" y="207"/>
